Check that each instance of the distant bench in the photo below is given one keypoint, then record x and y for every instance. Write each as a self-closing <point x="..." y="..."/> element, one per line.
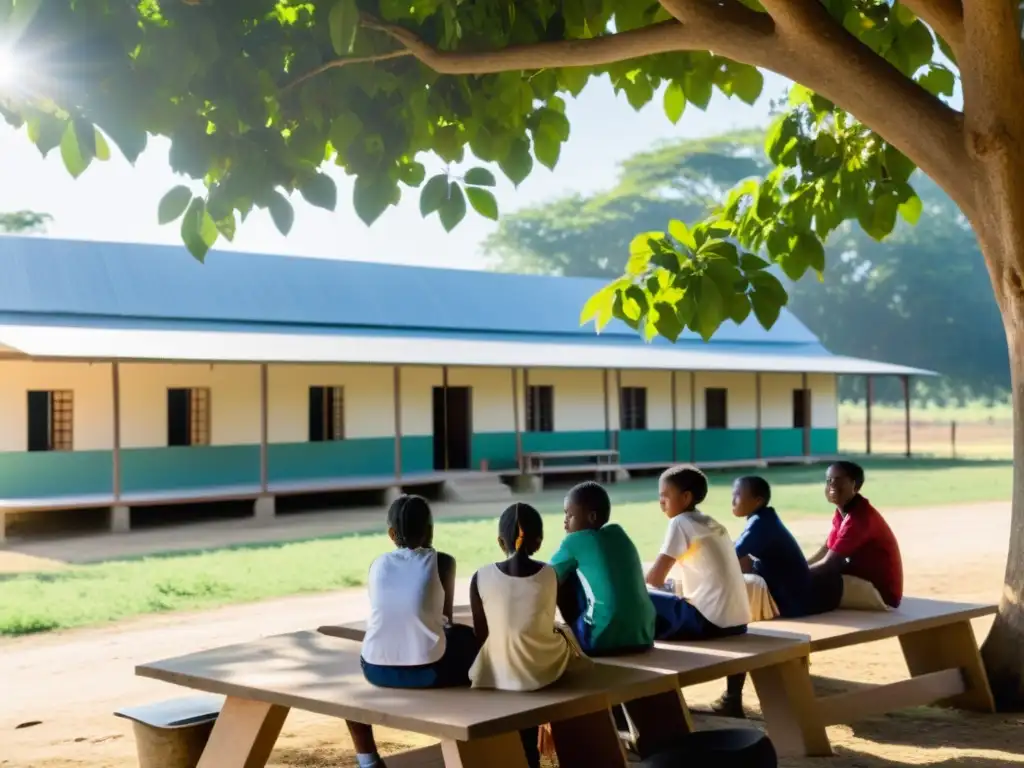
<point x="938" y="644"/>
<point x="602" y="461"/>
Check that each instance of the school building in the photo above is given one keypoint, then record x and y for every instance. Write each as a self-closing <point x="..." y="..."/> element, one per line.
<point x="131" y="375"/>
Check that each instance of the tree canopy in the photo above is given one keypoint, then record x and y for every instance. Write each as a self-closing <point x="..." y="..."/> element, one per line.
<point x="881" y="300"/>
<point x="23" y="222"/>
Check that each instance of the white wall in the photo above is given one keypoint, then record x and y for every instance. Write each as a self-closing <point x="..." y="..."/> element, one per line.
<point x="824" y="404"/>
<point x="491" y="397"/>
<point x="418" y="399"/>
<point x="579" y="398"/>
<point x="369" y="400"/>
<point x="92" y="385"/>
<point x="741" y="399"/>
<point x="234" y="401"/>
<point x="659" y="396"/>
<point x="777" y="399"/>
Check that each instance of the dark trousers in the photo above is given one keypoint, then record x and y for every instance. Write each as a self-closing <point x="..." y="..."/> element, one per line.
<point x="572" y="604"/>
<point x="678" y="619"/>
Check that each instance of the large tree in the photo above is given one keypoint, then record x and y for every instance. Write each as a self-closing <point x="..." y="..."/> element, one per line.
<point x="920" y="297"/>
<point x="256" y="95"/>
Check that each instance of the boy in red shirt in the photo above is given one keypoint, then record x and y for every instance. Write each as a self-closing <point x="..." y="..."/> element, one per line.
<point x="860" y="565"/>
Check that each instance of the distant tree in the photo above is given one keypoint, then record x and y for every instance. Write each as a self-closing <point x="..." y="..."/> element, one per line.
<point x="24" y="222"/>
<point x="919" y="297"/>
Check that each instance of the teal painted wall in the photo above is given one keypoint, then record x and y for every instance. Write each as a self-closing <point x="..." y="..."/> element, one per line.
<point x="55" y="473"/>
<point x="564" y="441"/>
<point x="824" y="442"/>
<point x="417" y="454"/>
<point x="647" y="446"/>
<point x="366" y="457"/>
<point x="187" y="467"/>
<point x="498" y="449"/>
<point x="726" y="444"/>
<point x="782" y="443"/>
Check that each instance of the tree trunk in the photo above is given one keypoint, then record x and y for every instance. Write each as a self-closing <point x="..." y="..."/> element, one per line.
<point x="1003" y="650"/>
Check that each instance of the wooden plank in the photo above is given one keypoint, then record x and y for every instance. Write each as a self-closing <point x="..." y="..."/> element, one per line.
<point x="954" y="645"/>
<point x="424" y="757"/>
<point x="502" y="751"/>
<point x="570" y="454"/>
<point x="791" y="710"/>
<point x="878" y="699"/>
<point x="843" y="628"/>
<point x="244" y="734"/>
<point x="589" y="740"/>
<point x="659" y="720"/>
<point x="556" y="469"/>
<point x="315" y="673"/>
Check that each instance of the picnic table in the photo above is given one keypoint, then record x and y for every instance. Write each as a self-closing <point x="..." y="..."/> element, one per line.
<point x="310" y="671"/>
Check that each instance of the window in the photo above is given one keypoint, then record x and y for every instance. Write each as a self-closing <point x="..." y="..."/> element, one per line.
<point x="801" y="408"/>
<point x="633" y="405"/>
<point x="326" y="414"/>
<point x="51" y="420"/>
<point x="716" y="409"/>
<point x="540" y="409"/>
<point x="188" y="416"/>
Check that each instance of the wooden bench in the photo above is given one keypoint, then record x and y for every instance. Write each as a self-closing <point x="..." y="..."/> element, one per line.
<point x="938" y="644"/>
<point x="777" y="662"/>
<point x="602" y="461"/>
<point x="173" y="733"/>
<point x="478" y="729"/>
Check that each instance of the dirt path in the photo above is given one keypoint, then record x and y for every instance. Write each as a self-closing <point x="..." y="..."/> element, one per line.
<point x="72" y="681"/>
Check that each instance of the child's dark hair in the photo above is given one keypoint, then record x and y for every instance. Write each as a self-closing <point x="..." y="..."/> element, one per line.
<point x="412" y="522"/>
<point x="592" y="497"/>
<point x="686" y="477"/>
<point x="521" y="528"/>
<point x="852" y="470"/>
<point x="757" y="486"/>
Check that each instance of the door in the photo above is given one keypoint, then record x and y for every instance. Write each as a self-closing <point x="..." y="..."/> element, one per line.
<point x="452" y="428"/>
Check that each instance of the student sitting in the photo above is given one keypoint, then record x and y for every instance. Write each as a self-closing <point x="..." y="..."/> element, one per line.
<point x="410" y="641"/>
<point x="602" y="595"/>
<point x="513" y="604"/>
<point x="860" y="565"/>
<point x="774" y="569"/>
<point x="714" y="595"/>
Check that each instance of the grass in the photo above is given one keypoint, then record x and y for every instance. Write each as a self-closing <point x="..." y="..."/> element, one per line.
<point x="973" y="412"/>
<point x="120" y="589"/>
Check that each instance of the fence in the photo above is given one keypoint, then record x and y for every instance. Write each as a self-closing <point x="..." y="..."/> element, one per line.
<point x="990" y="438"/>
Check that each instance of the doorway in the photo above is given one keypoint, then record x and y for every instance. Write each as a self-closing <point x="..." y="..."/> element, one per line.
<point x="453" y="428"/>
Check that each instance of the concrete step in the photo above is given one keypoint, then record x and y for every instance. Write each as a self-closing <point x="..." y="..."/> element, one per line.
<point x="476" y="488"/>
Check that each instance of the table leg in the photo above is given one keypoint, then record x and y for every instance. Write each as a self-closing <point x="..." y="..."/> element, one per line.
<point x="504" y="751"/>
<point x="660" y="721"/>
<point x="244" y="734"/>
<point x="588" y="741"/>
<point x="788" y="704"/>
<point x="950" y="647"/>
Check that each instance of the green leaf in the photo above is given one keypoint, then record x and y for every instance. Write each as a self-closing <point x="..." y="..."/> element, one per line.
<point x="911" y="210"/>
<point x="281" y="212"/>
<point x="227" y="226"/>
<point x="548" y="148"/>
<point x="739" y="308"/>
<point x="321" y="191"/>
<point x="434" y="194"/>
<point x="766" y="306"/>
<point x="452" y="210"/>
<point x="412" y="174"/>
<point x="675" y="102"/>
<point x="194" y="231"/>
<point x="483" y="202"/>
<point x="899" y="166"/>
<point x="46" y="132"/>
<point x="686" y="308"/>
<point x="343" y="23"/>
<point x="710" y="308"/>
<point x="812" y="253"/>
<point x="71" y="153"/>
<point x="102" y="148"/>
<point x="682" y="234"/>
<point x="751" y="263"/>
<point x="666" y="321"/>
<point x="173" y="204"/>
<point x="518" y="163"/>
<point x="938" y="80"/>
<point x="480" y="177"/>
<point x="371" y="197"/>
<point x="85" y="133"/>
<point x="747" y="82"/>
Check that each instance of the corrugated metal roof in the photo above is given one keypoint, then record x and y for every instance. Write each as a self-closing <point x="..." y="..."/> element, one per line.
<point x="77" y="278"/>
<point x="487" y="350"/>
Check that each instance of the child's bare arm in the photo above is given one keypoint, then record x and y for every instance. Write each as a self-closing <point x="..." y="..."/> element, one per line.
<point x="446" y="572"/>
<point x="819" y="555"/>
<point x="658" y="573"/>
<point x="477" y="607"/>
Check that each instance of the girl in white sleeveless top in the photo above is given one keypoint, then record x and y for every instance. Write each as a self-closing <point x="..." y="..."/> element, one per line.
<point x="410" y="641"/>
<point x="513" y="604"/>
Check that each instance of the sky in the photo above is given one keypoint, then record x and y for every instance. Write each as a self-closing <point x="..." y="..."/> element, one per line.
<point x="114" y="201"/>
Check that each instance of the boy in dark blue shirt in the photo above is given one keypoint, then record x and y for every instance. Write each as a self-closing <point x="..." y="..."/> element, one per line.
<point x="778" y="577"/>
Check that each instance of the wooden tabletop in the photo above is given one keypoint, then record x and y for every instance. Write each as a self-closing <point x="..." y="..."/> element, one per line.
<point x="838" y="629"/>
<point x="316" y="673"/>
<point x="569" y="454"/>
<point x="693" y="662"/>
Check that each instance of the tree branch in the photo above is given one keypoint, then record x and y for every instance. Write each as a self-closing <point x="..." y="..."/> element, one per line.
<point x="401" y="53"/>
<point x="946" y="17"/>
<point x="819" y="53"/>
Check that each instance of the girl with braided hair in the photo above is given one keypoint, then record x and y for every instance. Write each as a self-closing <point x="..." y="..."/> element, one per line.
<point x="513" y="604"/>
<point x="410" y="641"/>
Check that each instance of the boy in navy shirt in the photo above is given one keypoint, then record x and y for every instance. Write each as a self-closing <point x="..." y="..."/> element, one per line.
<point x="774" y="567"/>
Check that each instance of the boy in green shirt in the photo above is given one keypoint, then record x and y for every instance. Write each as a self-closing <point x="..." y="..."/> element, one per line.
<point x="602" y="594"/>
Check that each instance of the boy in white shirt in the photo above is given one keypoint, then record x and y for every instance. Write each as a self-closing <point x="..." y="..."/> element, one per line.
<point x="714" y="594"/>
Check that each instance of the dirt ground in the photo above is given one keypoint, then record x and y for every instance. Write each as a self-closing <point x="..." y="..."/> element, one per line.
<point x="71" y="682"/>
